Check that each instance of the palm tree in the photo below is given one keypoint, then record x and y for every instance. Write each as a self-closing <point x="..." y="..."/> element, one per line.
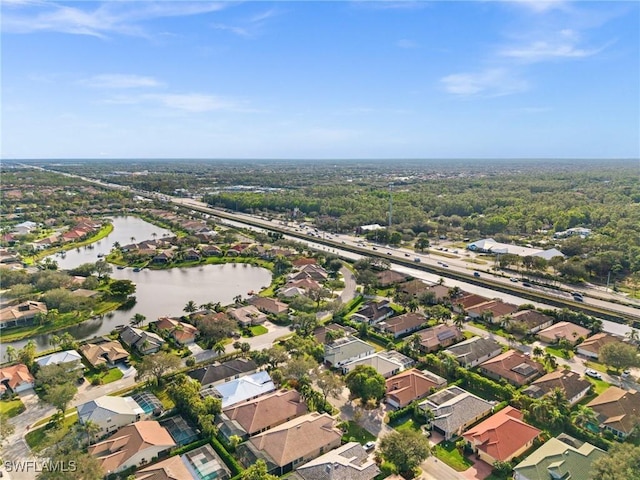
<point x="458" y="320"/>
<point x="633" y="335"/>
<point x="190" y="307"/>
<point x="219" y="348"/>
<point x="209" y="306"/>
<point x="538" y="351"/>
<point x="90" y="429"/>
<point x="415" y="341"/>
<point x="137" y="319"/>
<point x="583" y="415"/>
<point x="550" y="360"/>
<point x="11" y="353"/>
<point x="558" y="398"/>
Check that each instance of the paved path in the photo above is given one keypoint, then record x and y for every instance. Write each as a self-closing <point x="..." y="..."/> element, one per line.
<point x="349" y="291"/>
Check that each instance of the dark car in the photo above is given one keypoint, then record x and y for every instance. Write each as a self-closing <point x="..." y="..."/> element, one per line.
<point x="526" y="284"/>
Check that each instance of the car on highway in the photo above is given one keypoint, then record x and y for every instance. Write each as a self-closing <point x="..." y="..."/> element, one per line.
<point x="526" y="284"/>
<point x="593" y="373"/>
<point x="445" y="265"/>
<point x="406" y="255"/>
<point x="389" y="253"/>
<point x="373" y="248"/>
<point x="476" y="274"/>
<point x="513" y="279"/>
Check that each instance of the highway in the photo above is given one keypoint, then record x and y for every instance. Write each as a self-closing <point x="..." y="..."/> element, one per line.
<point x="457" y="267"/>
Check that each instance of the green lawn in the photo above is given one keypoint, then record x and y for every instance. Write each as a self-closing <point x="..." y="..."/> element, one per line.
<point x="406" y="424"/>
<point x="559" y="352"/>
<point x="258" y="330"/>
<point x="449" y="454"/>
<point x="11" y="408"/>
<point x="599" y="386"/>
<point x="596" y="366"/>
<point x="109" y="376"/>
<point x="360" y="434"/>
<point x="36" y="438"/>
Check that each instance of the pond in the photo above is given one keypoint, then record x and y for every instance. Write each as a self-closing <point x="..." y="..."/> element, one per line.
<point x="158" y="292"/>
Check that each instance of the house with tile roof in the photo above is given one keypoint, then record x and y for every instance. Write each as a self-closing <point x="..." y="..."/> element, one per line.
<point x="413" y="287"/>
<point x="411" y="385"/>
<point x="515" y="367"/>
<point x="502" y="436"/>
<point x="21" y="314"/>
<point x="402" y="324"/>
<point x="241" y="389"/>
<point x="320" y="333"/>
<point x="532" y="321"/>
<point x="618" y="410"/>
<point x="558" y="459"/>
<point x="386" y="363"/>
<point x="247" y="315"/>
<point x="104" y="353"/>
<point x="110" y="413"/>
<point x="268" y="305"/>
<point x="198" y="464"/>
<point x="348" y="462"/>
<point x="493" y="309"/>
<point x="474" y="351"/>
<point x="468" y="300"/>
<point x="131" y="446"/>
<point x="257" y="415"/>
<point x="16" y="378"/>
<point x="293" y="443"/>
<point x="454" y="409"/>
<point x="373" y="312"/>
<point x="183" y="333"/>
<point x="571" y="383"/>
<point x="440" y="336"/>
<point x="592" y="345"/>
<point x="143" y="341"/>
<point x="345" y="350"/>
<point x="569" y="331"/>
<point x="223" y="372"/>
<point x="71" y="359"/>
<point x="386" y="278"/>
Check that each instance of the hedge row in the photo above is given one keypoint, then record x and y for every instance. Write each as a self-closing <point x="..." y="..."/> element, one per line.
<point x="401" y="412"/>
<point x="231" y="462"/>
<point x="587" y="436"/>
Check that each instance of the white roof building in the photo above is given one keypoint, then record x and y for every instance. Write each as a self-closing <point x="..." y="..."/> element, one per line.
<point x="68" y="356"/>
<point x="110" y="413"/>
<point x="489" y="245"/>
<point x="243" y="388"/>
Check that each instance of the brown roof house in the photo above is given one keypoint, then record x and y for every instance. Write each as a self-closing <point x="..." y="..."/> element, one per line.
<point x="532" y="321"/>
<point x="438" y="337"/>
<point x="22" y="314"/>
<point x="402" y="324"/>
<point x="348" y="462"/>
<point x="467" y="301"/>
<point x="515" y="367"/>
<point x="494" y="310"/>
<point x="387" y="278"/>
<point x="569" y="331"/>
<point x="202" y="462"/>
<point x="247" y="316"/>
<point x="373" y="312"/>
<point x="405" y="387"/>
<point x="106" y="353"/>
<point x="293" y="443"/>
<point x="268" y="305"/>
<point x="413" y="287"/>
<point x="16" y="378"/>
<point x="131" y="446"/>
<point x="183" y="333"/>
<point x="571" y="383"/>
<point x="254" y="416"/>
<point x="618" y="410"/>
<point x="502" y="436"/>
<point x="592" y="345"/>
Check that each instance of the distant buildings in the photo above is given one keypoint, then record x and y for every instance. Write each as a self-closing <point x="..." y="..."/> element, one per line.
<point x="489" y="245"/>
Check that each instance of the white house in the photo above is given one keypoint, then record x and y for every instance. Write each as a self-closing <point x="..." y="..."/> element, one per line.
<point x="71" y="359"/>
<point x="110" y="413"/>
<point x="345" y="350"/>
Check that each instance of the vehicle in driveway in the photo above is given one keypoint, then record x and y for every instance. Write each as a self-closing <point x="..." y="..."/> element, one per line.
<point x="369" y="446"/>
<point x="626" y="374"/>
<point x="593" y="373"/>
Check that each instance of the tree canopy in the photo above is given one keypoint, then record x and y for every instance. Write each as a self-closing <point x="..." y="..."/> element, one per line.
<point x="366" y="383"/>
<point x="406" y="450"/>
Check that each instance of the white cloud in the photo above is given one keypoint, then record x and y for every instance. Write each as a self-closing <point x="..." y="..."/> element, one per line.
<point x="120" y="81"/>
<point x="490" y="82"/>
<point x="541" y="6"/>
<point x="186" y="102"/>
<point x="249" y="27"/>
<point x="107" y="18"/>
<point x="548" y="50"/>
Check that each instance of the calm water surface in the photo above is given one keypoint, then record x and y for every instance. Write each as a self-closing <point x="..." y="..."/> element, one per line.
<point x="159" y="292"/>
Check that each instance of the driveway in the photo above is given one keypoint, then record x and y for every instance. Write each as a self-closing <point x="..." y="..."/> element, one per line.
<point x="265" y="340"/>
<point x="349" y="291"/>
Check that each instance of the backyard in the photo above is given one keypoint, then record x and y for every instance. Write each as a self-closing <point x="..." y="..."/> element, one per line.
<point x="11" y="408"/>
<point x="449" y="454"/>
<point x="355" y="431"/>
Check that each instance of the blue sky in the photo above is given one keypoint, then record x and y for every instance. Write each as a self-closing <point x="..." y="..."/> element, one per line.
<point x="368" y="79"/>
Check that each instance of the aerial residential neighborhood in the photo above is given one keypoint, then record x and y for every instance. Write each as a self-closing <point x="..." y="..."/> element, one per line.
<point x="310" y="376"/>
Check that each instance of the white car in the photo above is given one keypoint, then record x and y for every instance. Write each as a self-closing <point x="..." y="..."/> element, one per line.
<point x="593" y="374"/>
<point x="369" y="446"/>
